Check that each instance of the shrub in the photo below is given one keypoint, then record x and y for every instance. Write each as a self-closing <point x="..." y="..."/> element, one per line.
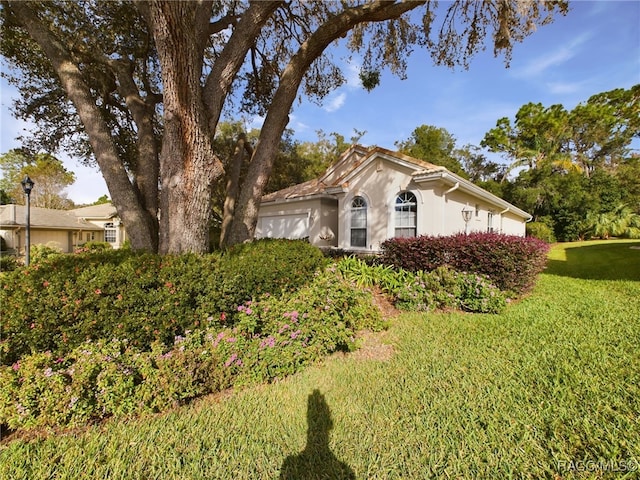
<point x="64" y="300"/>
<point x="40" y="252"/>
<point x="510" y="262"/>
<point x="442" y="288"/>
<point x="8" y="263"/>
<point x="273" y="266"/>
<point x="541" y="231"/>
<point x="274" y="338"/>
<point x="94" y="247"/>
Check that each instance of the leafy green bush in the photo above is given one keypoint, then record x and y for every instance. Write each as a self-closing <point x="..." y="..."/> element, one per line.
<point x="511" y="263"/>
<point x="541" y="231"/>
<point x="41" y="252"/>
<point x="272" y="266"/>
<point x="274" y="338"/>
<point x="442" y="288"/>
<point x="64" y="300"/>
<point x="8" y="263"/>
<point x="94" y="247"/>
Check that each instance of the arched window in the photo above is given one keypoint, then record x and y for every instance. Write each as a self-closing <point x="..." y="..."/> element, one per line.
<point x="406" y="215"/>
<point x="358" y="222"/>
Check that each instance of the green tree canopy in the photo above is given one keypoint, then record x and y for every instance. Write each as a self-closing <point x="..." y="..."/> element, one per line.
<point x="595" y="134"/>
<point x="432" y="144"/>
<point x="48" y="173"/>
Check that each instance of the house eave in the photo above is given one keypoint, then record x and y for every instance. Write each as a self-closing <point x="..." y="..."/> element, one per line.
<point x="449" y="179"/>
<point x="302" y="198"/>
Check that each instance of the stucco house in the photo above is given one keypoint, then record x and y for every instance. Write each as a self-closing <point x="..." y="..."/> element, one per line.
<point x="372" y="194"/>
<point x="62" y="229"/>
<point x="59" y="229"/>
<point x="105" y="216"/>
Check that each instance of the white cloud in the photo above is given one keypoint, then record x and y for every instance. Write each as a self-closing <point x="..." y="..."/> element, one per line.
<point x="335" y="102"/>
<point x="297" y="125"/>
<point x="255" y="121"/>
<point x="561" y="55"/>
<point x="352" y="74"/>
<point x="562" y="88"/>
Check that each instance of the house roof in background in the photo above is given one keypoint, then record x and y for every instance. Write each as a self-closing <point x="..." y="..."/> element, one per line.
<point x="102" y="211"/>
<point x="349" y="164"/>
<point x="14" y="216"/>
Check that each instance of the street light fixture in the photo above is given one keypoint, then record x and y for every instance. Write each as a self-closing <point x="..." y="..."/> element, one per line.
<point x="467" y="212"/>
<point x="27" y="186"/>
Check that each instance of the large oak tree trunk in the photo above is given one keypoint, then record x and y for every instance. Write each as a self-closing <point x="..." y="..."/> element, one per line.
<point x="188" y="166"/>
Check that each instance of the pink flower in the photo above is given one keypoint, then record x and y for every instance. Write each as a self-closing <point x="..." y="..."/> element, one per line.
<point x="231" y="359"/>
<point x="97" y="291"/>
<point x="268" y="342"/>
<point x="16" y="366"/>
<point x="283" y="328"/>
<point x="45" y="284"/>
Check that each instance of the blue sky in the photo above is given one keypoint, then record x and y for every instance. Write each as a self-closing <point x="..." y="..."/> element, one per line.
<point x="595" y="48"/>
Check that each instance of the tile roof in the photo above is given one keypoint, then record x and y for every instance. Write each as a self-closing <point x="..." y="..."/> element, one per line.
<point x="104" y="210"/>
<point x="14" y="216"/>
<point x="348" y="162"/>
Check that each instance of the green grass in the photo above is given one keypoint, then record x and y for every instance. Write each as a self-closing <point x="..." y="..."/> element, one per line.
<point x="551" y="384"/>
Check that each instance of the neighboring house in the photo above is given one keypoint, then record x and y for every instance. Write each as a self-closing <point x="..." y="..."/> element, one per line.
<point x="372" y="194"/>
<point x="105" y="216"/>
<point x="60" y="229"/>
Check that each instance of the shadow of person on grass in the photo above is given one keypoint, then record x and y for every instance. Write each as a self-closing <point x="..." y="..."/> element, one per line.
<point x="316" y="461"/>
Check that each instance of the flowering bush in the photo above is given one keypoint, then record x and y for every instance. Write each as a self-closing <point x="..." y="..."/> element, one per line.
<point x="512" y="263"/>
<point x="273" y="338"/>
<point x="65" y="300"/>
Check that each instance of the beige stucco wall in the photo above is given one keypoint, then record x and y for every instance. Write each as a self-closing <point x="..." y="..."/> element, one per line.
<point x="379" y="185"/>
<point x="439" y="207"/>
<point x="121" y="235"/>
<point x="63" y="240"/>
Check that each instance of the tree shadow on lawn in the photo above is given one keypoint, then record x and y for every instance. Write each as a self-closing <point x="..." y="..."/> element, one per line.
<point x="316" y="461"/>
<point x="614" y="260"/>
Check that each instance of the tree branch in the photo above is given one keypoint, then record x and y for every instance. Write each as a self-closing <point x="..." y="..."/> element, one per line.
<point x="226" y="67"/>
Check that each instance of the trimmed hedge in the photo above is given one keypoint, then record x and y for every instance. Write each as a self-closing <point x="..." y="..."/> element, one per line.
<point x="274" y="338"/>
<point x="510" y="262"/>
<point x="64" y="300"/>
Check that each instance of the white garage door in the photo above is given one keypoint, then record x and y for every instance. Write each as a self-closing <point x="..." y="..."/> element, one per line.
<point x="285" y="226"/>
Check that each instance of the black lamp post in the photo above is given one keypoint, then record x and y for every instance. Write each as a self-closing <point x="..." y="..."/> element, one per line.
<point x="466" y="216"/>
<point x="27" y="186"/>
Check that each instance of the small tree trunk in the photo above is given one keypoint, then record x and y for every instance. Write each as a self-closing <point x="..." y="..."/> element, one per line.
<point x="233" y="187"/>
